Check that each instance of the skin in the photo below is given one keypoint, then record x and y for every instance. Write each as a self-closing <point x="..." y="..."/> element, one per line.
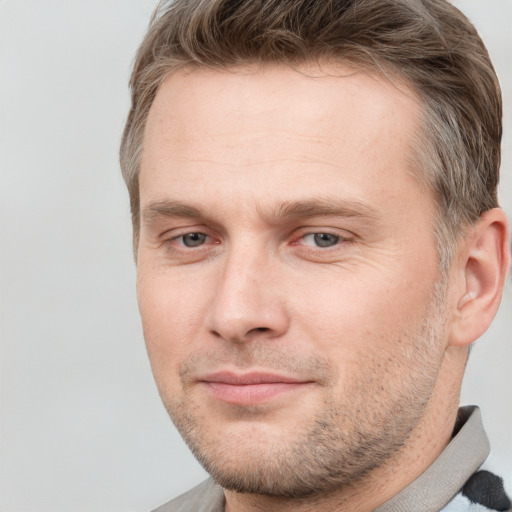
<point x="283" y="234"/>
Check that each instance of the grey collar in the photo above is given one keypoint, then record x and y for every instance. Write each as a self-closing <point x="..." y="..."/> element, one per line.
<point x="440" y="482"/>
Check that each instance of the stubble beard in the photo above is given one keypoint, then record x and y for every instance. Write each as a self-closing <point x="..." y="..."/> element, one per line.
<point x="346" y="440"/>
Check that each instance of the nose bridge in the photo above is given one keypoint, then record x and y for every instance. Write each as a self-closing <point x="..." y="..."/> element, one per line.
<point x="246" y="302"/>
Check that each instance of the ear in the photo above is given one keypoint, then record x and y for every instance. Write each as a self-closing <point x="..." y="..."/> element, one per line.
<point x="480" y="276"/>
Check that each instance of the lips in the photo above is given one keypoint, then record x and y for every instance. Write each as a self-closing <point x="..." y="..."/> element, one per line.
<point x="250" y="388"/>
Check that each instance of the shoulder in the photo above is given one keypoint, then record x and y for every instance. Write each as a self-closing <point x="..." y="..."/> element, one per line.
<point x="205" y="497"/>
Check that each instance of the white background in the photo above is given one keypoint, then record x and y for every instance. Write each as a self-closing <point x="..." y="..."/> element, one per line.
<point x="82" y="427"/>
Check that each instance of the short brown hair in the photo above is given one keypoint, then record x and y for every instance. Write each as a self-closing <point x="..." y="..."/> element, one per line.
<point x="429" y="44"/>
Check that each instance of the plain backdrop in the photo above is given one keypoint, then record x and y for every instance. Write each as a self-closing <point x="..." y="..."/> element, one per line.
<point x="82" y="427"/>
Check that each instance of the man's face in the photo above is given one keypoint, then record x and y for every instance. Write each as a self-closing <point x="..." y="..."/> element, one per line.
<point x="287" y="273"/>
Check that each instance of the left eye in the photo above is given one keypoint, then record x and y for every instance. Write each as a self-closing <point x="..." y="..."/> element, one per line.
<point x="193" y="239"/>
<point x="322" y="239"/>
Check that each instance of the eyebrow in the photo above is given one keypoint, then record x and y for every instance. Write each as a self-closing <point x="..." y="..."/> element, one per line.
<point x="286" y="210"/>
<point x="168" y="208"/>
<point x="335" y="207"/>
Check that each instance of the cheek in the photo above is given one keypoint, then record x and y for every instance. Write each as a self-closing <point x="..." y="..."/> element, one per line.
<point x="171" y="318"/>
<point x="378" y="340"/>
<point x="358" y="315"/>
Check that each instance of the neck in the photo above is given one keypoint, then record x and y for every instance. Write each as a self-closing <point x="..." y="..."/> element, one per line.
<point x="423" y="446"/>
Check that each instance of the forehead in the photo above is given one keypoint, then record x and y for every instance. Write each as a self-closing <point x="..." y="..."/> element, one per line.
<point x="277" y="126"/>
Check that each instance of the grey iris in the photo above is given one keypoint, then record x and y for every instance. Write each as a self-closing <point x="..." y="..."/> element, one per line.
<point x="326" y="239"/>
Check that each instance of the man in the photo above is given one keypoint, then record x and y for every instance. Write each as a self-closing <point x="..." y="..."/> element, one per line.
<point x="318" y="242"/>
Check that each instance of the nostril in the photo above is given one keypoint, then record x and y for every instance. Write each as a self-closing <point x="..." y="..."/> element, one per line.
<point x="235" y="338"/>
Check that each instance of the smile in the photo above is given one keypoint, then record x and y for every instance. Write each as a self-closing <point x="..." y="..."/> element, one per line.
<point x="250" y="389"/>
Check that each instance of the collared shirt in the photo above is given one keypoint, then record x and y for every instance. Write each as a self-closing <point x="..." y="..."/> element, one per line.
<point x="451" y="484"/>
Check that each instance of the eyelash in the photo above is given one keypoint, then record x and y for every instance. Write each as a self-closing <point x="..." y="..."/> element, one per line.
<point x="336" y="238"/>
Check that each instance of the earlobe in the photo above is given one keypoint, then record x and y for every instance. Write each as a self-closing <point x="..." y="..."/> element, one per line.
<point x="483" y="268"/>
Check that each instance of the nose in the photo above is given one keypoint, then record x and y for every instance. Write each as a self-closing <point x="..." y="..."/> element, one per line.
<point x="249" y="300"/>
